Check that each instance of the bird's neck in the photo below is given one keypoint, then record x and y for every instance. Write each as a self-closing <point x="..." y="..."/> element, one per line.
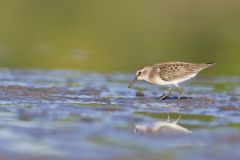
<point x="150" y="76"/>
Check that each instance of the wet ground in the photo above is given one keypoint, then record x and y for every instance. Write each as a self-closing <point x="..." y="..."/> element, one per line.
<point x="74" y="115"/>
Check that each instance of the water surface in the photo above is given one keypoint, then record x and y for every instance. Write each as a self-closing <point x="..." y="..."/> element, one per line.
<point x="63" y="114"/>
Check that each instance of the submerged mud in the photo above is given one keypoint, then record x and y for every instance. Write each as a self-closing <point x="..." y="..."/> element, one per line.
<point x="62" y="114"/>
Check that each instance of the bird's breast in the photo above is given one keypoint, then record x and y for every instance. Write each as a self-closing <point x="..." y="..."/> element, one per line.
<point x="159" y="81"/>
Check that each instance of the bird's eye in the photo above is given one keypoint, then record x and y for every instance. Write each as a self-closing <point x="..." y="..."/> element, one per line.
<point x="139" y="73"/>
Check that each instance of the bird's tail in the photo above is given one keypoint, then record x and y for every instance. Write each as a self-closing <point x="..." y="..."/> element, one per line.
<point x="210" y="63"/>
<point x="206" y="65"/>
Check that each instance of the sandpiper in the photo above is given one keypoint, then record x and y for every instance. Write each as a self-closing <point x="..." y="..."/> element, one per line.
<point x="169" y="74"/>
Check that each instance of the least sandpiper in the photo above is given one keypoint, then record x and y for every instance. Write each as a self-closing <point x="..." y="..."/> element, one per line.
<point x="169" y="74"/>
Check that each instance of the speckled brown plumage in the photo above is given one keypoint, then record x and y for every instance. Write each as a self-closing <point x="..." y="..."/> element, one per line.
<point x="169" y="74"/>
<point x="169" y="71"/>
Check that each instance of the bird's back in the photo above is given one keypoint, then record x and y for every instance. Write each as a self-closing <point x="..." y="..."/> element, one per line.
<point x="171" y="71"/>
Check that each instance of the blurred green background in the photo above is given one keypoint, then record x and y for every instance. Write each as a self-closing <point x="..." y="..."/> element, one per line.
<point x="123" y="35"/>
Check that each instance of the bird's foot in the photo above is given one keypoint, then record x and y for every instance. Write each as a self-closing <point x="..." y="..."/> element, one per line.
<point x="165" y="96"/>
<point x="183" y="98"/>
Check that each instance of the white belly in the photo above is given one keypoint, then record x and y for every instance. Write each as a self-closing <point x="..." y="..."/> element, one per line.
<point x="159" y="81"/>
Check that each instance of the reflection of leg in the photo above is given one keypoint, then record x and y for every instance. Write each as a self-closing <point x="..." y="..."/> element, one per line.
<point x="179" y="91"/>
<point x="168" y="117"/>
<point x="166" y="94"/>
<point x="179" y="117"/>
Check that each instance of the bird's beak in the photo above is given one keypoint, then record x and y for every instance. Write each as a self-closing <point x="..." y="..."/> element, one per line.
<point x="133" y="81"/>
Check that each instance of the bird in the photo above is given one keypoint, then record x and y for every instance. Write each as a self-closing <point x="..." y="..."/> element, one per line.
<point x="169" y="74"/>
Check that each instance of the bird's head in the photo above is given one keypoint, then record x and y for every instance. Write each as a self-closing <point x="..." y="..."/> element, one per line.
<point x="142" y="74"/>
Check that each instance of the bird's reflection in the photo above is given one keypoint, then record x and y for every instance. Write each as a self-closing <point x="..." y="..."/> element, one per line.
<point x="162" y="127"/>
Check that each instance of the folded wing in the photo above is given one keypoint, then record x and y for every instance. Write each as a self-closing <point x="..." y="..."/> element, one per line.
<point x="171" y="71"/>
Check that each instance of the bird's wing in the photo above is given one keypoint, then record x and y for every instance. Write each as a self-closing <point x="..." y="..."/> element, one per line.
<point x="173" y="71"/>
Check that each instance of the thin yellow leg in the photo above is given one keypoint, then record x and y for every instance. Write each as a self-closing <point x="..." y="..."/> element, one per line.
<point x="180" y="92"/>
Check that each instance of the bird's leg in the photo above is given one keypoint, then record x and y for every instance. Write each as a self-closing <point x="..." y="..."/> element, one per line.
<point x="179" y="91"/>
<point x="166" y="94"/>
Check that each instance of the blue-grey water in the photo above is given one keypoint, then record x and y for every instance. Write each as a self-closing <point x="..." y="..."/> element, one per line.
<point x="62" y="114"/>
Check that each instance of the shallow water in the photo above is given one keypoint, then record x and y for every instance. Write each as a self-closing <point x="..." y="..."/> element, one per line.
<point x="64" y="114"/>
